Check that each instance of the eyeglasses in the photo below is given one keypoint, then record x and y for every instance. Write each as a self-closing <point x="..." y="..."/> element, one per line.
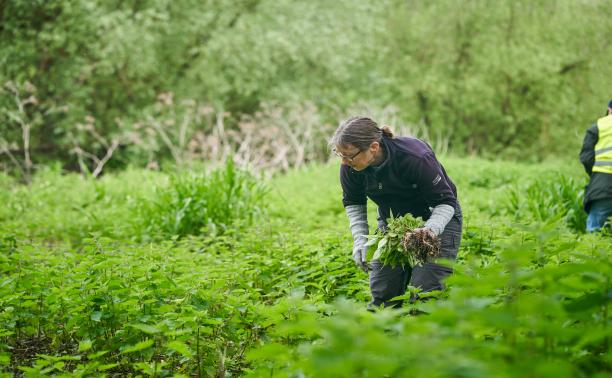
<point x="347" y="158"/>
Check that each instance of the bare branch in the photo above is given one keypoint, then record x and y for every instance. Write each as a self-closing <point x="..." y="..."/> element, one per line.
<point x="79" y="151"/>
<point x="173" y="150"/>
<point x="106" y="158"/>
<point x="82" y="166"/>
<point x="25" y="130"/>
<point x="5" y="150"/>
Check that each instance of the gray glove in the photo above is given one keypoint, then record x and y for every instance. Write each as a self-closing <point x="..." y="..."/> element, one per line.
<point x="359" y="256"/>
<point x="440" y="216"/>
<point x="358" y="221"/>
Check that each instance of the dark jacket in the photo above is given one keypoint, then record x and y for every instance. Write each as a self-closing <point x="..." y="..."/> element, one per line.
<point x="410" y="180"/>
<point x="600" y="185"/>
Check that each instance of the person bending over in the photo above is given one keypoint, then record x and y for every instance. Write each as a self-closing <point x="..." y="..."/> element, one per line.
<point x="402" y="176"/>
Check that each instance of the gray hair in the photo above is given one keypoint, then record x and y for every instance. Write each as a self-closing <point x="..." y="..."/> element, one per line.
<point x="359" y="132"/>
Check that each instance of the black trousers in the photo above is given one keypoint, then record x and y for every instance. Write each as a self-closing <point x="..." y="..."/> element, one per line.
<point x="387" y="282"/>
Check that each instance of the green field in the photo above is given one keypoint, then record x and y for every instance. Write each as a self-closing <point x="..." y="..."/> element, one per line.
<point x="226" y="274"/>
<point x="168" y="207"/>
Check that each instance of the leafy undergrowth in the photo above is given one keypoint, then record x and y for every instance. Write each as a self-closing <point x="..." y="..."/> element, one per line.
<point x="538" y="306"/>
<point x="176" y="307"/>
<point x="81" y="295"/>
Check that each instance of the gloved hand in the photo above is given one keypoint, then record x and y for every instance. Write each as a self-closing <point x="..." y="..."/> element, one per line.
<point x="359" y="256"/>
<point x="358" y="220"/>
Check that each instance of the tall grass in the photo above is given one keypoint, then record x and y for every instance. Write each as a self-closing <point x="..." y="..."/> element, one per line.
<point x="547" y="198"/>
<point x="202" y="203"/>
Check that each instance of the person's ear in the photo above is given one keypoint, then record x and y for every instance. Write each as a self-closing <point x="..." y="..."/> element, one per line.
<point x="374" y="147"/>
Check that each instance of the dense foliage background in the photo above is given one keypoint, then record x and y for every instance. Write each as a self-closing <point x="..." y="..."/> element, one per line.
<point x="165" y="257"/>
<point x="146" y="78"/>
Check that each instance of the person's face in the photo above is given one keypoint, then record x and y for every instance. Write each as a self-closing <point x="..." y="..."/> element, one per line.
<point x="355" y="158"/>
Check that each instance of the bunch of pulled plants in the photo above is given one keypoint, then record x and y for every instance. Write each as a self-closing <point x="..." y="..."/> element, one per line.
<point x="404" y="242"/>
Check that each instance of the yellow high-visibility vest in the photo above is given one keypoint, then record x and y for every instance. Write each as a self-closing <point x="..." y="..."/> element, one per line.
<point x="603" y="148"/>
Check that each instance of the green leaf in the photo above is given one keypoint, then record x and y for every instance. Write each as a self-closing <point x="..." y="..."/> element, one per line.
<point x="139" y="346"/>
<point x="106" y="367"/>
<point x="85" y="345"/>
<point x="180" y="347"/>
<point x="146" y="328"/>
<point x="95" y="355"/>
<point x="268" y="351"/>
<point x="377" y="254"/>
<point x="383" y="242"/>
<point x="96" y="316"/>
<point x="5" y="359"/>
<point x="585" y="302"/>
<point x="373" y="240"/>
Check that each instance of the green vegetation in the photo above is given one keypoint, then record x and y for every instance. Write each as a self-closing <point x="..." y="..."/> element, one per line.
<point x="209" y="203"/>
<point x="180" y="217"/>
<point x="389" y="246"/>
<point x="82" y="293"/>
<point x="150" y="81"/>
<point x="555" y="197"/>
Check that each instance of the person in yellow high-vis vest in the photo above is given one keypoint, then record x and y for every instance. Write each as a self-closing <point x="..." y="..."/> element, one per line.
<point x="596" y="156"/>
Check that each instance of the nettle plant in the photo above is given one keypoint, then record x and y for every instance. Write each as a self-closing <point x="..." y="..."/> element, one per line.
<point x="192" y="306"/>
<point x="401" y="245"/>
<point x="539" y="306"/>
<point x="528" y="299"/>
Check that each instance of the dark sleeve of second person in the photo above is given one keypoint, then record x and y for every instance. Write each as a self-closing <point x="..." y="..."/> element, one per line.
<point x="587" y="154"/>
<point x="435" y="186"/>
<point x="353" y="187"/>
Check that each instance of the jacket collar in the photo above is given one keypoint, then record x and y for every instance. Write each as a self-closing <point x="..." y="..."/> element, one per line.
<point x="386" y="145"/>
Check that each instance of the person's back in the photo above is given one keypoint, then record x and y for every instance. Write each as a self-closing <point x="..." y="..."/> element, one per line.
<point x="596" y="157"/>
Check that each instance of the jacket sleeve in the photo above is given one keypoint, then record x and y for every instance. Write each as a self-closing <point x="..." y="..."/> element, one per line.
<point x="587" y="154"/>
<point x="433" y="183"/>
<point x="384" y="212"/>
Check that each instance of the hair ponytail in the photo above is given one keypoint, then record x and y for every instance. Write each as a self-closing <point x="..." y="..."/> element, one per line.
<point x="387" y="132"/>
